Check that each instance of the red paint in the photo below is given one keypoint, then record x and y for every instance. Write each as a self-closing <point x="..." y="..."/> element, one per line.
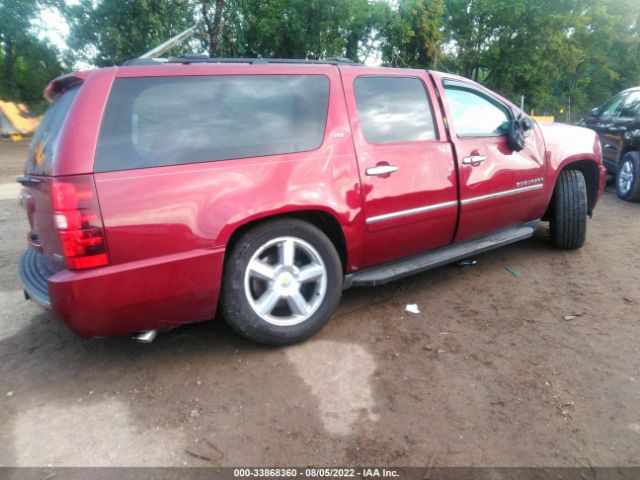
<point x="426" y="176"/>
<point x="167" y="228"/>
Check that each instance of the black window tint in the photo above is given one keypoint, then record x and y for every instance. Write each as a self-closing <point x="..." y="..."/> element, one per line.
<point x="393" y="109"/>
<point x="159" y="121"/>
<point x="609" y="108"/>
<point x="44" y="144"/>
<point x="631" y="106"/>
<point x="474" y="114"/>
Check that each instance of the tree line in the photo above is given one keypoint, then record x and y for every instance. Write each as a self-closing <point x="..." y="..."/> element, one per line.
<point x="554" y="53"/>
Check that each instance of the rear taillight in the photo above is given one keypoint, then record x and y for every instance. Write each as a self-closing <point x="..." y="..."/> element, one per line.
<point x="77" y="218"/>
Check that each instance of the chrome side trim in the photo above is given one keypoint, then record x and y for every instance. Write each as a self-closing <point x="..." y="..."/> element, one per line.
<point x="412" y="211"/>
<point x="504" y="193"/>
<point x="438" y="206"/>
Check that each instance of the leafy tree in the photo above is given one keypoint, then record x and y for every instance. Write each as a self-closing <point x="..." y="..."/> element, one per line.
<point x="515" y="47"/>
<point x="113" y="31"/>
<point x="296" y="28"/>
<point x="213" y="23"/>
<point x="27" y="62"/>
<point x="410" y="34"/>
<point x="15" y="18"/>
<point x="608" y="35"/>
<point x="551" y="51"/>
<point x="110" y="32"/>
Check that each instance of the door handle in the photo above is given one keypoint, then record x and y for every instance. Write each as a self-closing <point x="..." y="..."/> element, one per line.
<point x="381" y="170"/>
<point x="474" y="159"/>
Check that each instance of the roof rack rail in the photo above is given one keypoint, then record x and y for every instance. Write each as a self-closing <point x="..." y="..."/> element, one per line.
<point x="144" y="61"/>
<point x="197" y="58"/>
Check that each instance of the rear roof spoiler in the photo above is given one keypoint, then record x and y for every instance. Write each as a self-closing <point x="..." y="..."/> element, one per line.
<point x="60" y="84"/>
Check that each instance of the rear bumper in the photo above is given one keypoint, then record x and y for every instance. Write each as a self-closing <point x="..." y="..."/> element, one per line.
<point x="148" y="294"/>
<point x="34" y="274"/>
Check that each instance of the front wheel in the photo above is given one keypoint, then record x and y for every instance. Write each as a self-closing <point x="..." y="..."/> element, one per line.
<point x="628" y="178"/>
<point x="282" y="282"/>
<point x="568" y="222"/>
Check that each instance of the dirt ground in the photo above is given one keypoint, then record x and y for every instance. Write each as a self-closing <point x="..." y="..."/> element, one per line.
<point x="489" y="373"/>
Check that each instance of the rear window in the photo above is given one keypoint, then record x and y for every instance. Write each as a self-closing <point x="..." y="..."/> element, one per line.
<point x="158" y="121"/>
<point x="42" y="151"/>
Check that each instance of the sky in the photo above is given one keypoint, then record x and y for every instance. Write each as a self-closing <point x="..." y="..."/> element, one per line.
<point x="52" y="27"/>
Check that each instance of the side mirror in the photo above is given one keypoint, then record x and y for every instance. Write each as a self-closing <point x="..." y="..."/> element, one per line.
<point x="516" y="132"/>
<point x="526" y="122"/>
<point x="595" y="112"/>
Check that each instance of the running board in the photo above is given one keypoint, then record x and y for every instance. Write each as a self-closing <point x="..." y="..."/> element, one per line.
<point x="388" y="272"/>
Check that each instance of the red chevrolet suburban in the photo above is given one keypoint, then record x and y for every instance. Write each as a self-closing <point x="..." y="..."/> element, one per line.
<point x="158" y="192"/>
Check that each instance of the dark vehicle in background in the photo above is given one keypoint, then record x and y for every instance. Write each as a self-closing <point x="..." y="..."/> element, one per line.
<point x="618" y="125"/>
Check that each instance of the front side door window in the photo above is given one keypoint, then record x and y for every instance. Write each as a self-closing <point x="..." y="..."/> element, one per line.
<point x="631" y="106"/>
<point x="475" y="115"/>
<point x="609" y="109"/>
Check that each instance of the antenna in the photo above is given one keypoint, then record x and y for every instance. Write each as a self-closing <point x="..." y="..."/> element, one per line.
<point x="172" y="42"/>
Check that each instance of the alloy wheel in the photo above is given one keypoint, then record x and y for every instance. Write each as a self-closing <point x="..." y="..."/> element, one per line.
<point x="625" y="177"/>
<point x="285" y="281"/>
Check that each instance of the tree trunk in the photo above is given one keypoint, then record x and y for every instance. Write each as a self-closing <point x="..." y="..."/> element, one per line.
<point x="352" y="46"/>
<point x="8" y="64"/>
<point x="213" y="25"/>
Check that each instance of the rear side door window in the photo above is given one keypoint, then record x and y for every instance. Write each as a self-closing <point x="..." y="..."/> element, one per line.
<point x="157" y="121"/>
<point x="393" y="109"/>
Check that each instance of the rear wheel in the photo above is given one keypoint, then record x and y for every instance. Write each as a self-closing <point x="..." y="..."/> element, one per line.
<point x="568" y="222"/>
<point x="282" y="282"/>
<point x="628" y="178"/>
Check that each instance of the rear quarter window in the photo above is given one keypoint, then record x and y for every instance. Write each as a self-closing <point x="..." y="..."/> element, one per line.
<point x="44" y="145"/>
<point x="158" y="121"/>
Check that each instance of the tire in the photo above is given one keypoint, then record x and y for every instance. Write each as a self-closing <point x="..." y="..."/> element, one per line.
<point x="266" y="295"/>
<point x="628" y="177"/>
<point x="568" y="222"/>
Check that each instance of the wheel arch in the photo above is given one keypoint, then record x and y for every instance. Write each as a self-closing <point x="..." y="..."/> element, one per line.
<point x="625" y="150"/>
<point x="321" y="219"/>
<point x="591" y="173"/>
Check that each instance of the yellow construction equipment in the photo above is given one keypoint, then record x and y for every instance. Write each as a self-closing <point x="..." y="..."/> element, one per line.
<point x="15" y="119"/>
<point x="544" y="118"/>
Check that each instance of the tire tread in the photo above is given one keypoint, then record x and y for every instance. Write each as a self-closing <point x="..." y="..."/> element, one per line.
<point x="569" y="219"/>
<point x="234" y="306"/>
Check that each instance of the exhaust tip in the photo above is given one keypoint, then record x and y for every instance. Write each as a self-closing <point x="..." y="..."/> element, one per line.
<point x="146" y="337"/>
